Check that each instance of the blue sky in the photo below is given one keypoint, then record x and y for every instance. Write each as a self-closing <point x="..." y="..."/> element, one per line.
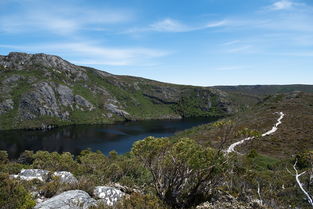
<point x="199" y="42"/>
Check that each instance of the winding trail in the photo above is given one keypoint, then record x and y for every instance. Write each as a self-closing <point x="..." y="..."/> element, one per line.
<point x="231" y="148"/>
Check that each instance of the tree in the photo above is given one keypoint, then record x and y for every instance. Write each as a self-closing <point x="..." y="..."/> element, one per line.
<point x="184" y="172"/>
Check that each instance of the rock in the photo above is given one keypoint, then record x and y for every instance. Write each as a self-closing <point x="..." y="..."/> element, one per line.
<point x="109" y="195"/>
<point x="6" y="106"/>
<point x="31" y="174"/>
<point x="66" y="95"/>
<point x="66" y="177"/>
<point x="126" y="189"/>
<point x="81" y="101"/>
<point x="114" y="109"/>
<point x="12" y="79"/>
<point x="73" y="199"/>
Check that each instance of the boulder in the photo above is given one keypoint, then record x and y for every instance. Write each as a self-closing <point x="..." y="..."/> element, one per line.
<point x="108" y="195"/>
<point x="66" y="177"/>
<point x="31" y="174"/>
<point x="73" y="199"/>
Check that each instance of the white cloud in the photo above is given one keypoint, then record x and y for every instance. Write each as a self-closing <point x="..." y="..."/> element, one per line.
<point x="93" y="54"/>
<point x="282" y="4"/>
<point x="172" y="25"/>
<point x="231" y="68"/>
<point x="241" y="49"/>
<point x="48" y="17"/>
<point x="169" y="25"/>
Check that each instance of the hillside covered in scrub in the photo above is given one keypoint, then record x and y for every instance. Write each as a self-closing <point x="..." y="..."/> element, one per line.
<point x="41" y="91"/>
<point x="189" y="170"/>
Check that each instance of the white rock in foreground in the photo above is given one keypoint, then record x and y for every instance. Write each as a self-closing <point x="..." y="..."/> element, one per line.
<point x="66" y="177"/>
<point x="73" y="199"/>
<point x="31" y="174"/>
<point x="109" y="195"/>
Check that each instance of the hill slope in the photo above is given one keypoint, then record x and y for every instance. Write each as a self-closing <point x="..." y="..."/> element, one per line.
<point x="293" y="136"/>
<point x="39" y="91"/>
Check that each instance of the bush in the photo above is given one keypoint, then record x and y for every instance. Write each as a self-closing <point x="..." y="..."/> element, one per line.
<point x="13" y="195"/>
<point x="184" y="172"/>
<point x="4" y="157"/>
<point x="54" y="161"/>
<point x="140" y="201"/>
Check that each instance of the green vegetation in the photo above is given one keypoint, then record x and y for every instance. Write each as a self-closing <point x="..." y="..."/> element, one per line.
<point x="170" y="173"/>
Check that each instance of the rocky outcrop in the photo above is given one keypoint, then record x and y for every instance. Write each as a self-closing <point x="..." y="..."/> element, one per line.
<point x="6" y="106"/>
<point x="73" y="199"/>
<point x="115" y="110"/>
<point x="31" y="174"/>
<point x="108" y="195"/>
<point x="66" y="177"/>
<point x="84" y="103"/>
<point x="39" y="102"/>
<point x="12" y="79"/>
<point x="66" y="95"/>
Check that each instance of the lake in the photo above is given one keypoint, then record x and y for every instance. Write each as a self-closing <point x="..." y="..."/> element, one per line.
<point x="118" y="137"/>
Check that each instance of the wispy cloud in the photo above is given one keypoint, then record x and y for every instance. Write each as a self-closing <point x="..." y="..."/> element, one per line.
<point x="172" y="25"/>
<point x="93" y="54"/>
<point x="48" y="17"/>
<point x="282" y="5"/>
<point x="222" y="68"/>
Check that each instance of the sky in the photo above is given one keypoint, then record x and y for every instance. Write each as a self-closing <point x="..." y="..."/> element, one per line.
<point x="194" y="42"/>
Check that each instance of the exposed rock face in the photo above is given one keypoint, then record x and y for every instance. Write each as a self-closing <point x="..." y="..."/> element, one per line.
<point x="109" y="195"/>
<point x="115" y="110"/>
<point x="66" y="95"/>
<point x="73" y="199"/>
<point x="31" y="174"/>
<point x="66" y="177"/>
<point x="6" y="106"/>
<point x="39" y="102"/>
<point x="81" y="101"/>
<point x="12" y="79"/>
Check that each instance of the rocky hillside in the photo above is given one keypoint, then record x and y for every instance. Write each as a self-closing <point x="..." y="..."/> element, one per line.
<point x="41" y="91"/>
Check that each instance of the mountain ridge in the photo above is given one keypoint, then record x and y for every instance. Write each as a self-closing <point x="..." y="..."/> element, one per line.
<point x="40" y="91"/>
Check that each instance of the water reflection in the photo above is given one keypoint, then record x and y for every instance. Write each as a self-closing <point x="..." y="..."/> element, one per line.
<point x="105" y="138"/>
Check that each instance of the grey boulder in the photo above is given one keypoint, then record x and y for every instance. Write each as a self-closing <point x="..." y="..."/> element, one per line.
<point x="73" y="199"/>
<point x="31" y="174"/>
<point x="66" y="177"/>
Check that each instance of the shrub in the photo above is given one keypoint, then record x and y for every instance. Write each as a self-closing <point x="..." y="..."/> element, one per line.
<point x="184" y="172"/>
<point x="54" y="161"/>
<point x="13" y="195"/>
<point x="140" y="201"/>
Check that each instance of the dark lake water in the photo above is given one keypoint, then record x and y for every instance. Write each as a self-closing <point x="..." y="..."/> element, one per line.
<point x="118" y="137"/>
